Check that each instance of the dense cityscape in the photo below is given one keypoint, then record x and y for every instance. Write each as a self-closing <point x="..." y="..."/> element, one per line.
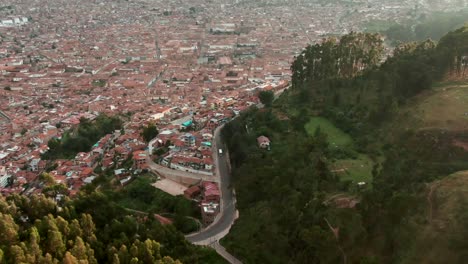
<point x="182" y="68"/>
<point x="156" y="61"/>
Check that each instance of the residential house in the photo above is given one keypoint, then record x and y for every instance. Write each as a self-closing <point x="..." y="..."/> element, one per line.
<point x="34" y="165"/>
<point x="139" y="159"/>
<point x="209" y="211"/>
<point x="189" y="140"/>
<point x="4" y="157"/>
<point x="263" y="142"/>
<point x="192" y="192"/>
<point x="211" y="192"/>
<point x="121" y="173"/>
<point x="4" y="176"/>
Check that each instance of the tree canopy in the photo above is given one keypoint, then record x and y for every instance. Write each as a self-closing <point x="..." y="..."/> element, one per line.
<point x="82" y="138"/>
<point x="38" y="230"/>
<point x="266" y="97"/>
<point x="149" y="132"/>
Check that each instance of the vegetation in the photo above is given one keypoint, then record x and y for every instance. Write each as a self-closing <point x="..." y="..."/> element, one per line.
<point x="440" y="236"/>
<point x="432" y="26"/>
<point x="442" y="107"/>
<point x="99" y="83"/>
<point x="378" y="25"/>
<point x="277" y="192"/>
<point x="335" y="137"/>
<point x="266" y="97"/>
<point x="89" y="229"/>
<point x="300" y="203"/>
<point x="8" y="7"/>
<point x="149" y="132"/>
<point x="333" y="58"/>
<point x="139" y="195"/>
<point x="358" y="169"/>
<point x="82" y="138"/>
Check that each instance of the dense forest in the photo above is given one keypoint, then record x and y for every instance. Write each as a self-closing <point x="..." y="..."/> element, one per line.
<point x="297" y="205"/>
<point x="88" y="229"/>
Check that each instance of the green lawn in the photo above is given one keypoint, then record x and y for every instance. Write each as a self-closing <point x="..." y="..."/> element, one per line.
<point x="355" y="170"/>
<point x="336" y="137"/>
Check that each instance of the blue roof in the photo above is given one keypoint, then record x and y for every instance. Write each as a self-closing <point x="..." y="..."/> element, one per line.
<point x="187" y="123"/>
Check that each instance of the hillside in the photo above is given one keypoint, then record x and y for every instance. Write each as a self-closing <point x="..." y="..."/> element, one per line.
<point x="438" y="223"/>
<point x="399" y="127"/>
<point x="443" y="107"/>
<point x="441" y="234"/>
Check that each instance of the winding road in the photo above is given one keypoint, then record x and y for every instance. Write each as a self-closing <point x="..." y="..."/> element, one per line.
<point x="228" y="213"/>
<point x="211" y="235"/>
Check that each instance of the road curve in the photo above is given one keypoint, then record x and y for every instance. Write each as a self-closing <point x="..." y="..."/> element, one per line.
<point x="228" y="213"/>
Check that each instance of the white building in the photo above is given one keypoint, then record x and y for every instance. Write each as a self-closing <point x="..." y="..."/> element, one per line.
<point x="4" y="176"/>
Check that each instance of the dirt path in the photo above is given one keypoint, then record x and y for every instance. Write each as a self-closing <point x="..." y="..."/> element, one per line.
<point x="336" y="234"/>
<point x="429" y="201"/>
<point x="339" y="170"/>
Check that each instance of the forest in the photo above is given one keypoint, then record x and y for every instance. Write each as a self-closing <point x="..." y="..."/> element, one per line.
<point x="346" y="105"/>
<point x="89" y="229"/>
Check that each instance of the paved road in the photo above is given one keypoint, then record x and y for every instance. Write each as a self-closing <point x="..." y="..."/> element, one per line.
<point x="220" y="228"/>
<point x="226" y="255"/>
<point x="228" y="213"/>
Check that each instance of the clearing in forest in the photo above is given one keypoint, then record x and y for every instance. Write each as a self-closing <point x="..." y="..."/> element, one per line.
<point x="336" y="137"/>
<point x="355" y="170"/>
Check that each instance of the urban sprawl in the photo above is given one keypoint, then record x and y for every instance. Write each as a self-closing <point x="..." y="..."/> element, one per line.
<point x="185" y="66"/>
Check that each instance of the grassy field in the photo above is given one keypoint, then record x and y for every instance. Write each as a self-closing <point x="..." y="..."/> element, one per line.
<point x="336" y="137"/>
<point x="445" y="107"/>
<point x="355" y="170"/>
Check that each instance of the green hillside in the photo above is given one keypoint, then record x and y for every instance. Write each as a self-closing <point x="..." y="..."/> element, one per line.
<point x="399" y="126"/>
<point x="441" y="230"/>
<point x="443" y="107"/>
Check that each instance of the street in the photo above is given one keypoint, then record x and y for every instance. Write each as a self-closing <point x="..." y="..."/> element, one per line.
<point x="227" y="215"/>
